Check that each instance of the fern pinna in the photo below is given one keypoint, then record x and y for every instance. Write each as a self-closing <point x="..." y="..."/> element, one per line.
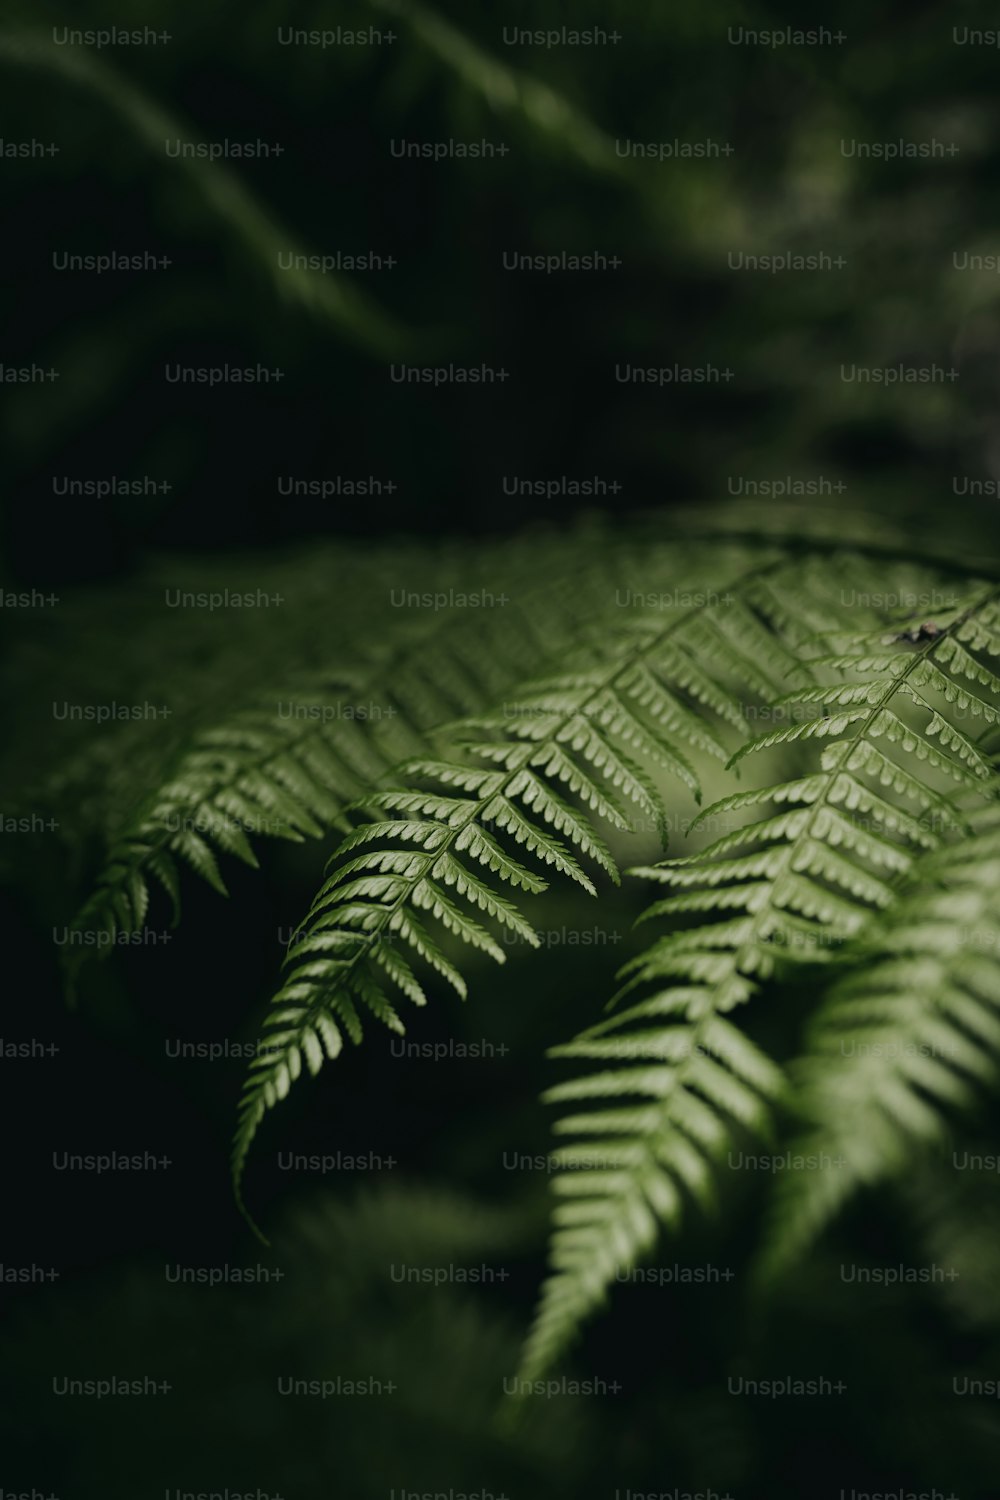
<point x="906" y="1041"/>
<point x="803" y="881"/>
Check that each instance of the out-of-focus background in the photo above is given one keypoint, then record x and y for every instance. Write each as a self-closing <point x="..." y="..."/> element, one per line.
<point x="791" y="303"/>
<point x="894" y="242"/>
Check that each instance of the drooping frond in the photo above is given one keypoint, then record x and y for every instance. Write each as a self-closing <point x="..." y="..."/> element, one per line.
<point x="677" y="1083"/>
<point x="904" y="1043"/>
<point x="574" y="748"/>
<point x="896" y="768"/>
<point x="287" y="763"/>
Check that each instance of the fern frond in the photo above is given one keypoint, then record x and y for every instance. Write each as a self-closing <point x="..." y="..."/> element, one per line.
<point x="907" y="1040"/>
<point x="802" y="881"/>
<point x="580" y="729"/>
<point x="257" y="773"/>
<point x="690" y="1082"/>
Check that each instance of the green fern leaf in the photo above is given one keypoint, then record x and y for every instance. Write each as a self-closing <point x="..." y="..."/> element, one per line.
<point x="258" y="774"/>
<point x="907" y="1038"/>
<point x="591" y="712"/>
<point x="807" y="879"/>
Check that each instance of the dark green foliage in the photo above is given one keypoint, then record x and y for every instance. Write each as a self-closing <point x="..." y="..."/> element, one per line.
<point x="527" y="742"/>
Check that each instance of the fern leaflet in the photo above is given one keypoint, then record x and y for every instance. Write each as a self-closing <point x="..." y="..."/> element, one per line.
<point x="907" y="1038"/>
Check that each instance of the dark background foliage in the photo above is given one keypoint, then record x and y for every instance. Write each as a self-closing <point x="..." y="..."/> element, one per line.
<point x="928" y="453"/>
